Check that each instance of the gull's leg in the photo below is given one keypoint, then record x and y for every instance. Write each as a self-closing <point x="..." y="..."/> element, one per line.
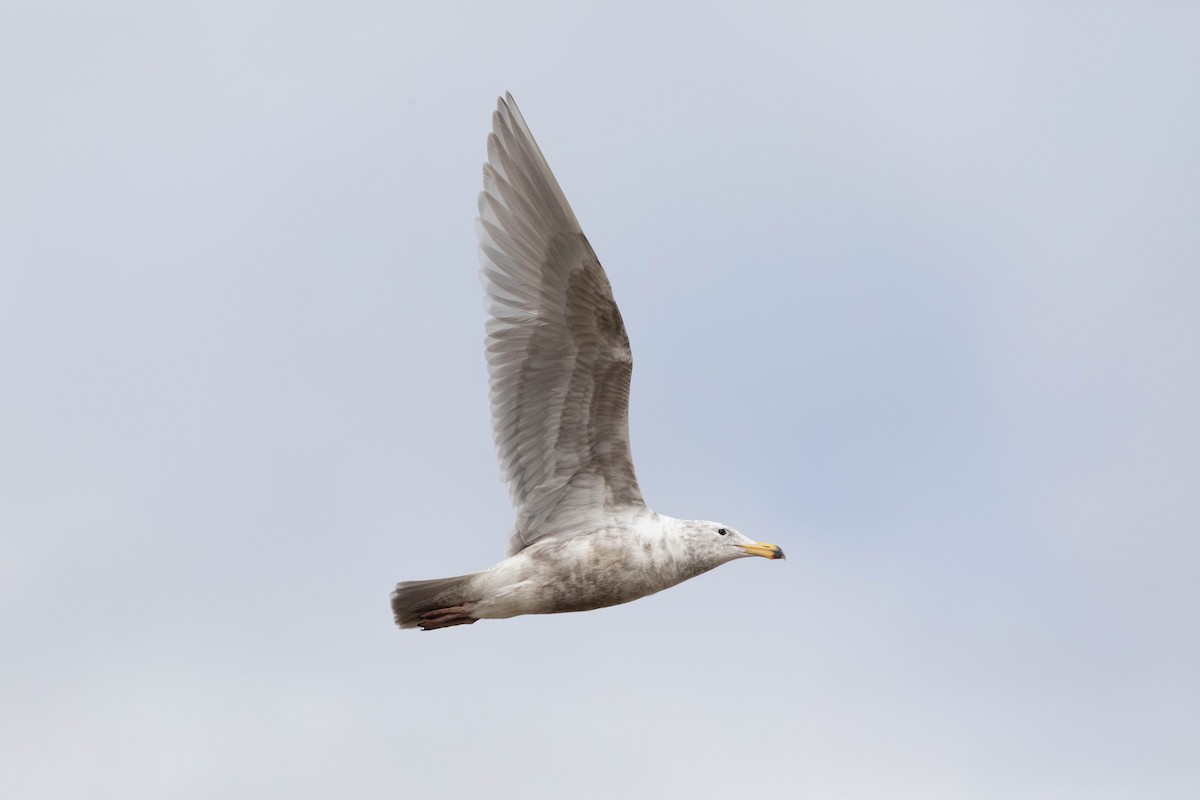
<point x="445" y="617"/>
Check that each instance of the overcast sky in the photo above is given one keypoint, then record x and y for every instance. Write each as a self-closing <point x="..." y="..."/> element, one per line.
<point x="912" y="290"/>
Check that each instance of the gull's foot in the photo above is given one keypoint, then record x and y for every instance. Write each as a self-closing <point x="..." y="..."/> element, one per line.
<point x="445" y="617"/>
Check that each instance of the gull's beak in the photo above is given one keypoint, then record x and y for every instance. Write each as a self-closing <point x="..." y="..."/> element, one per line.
<point x="762" y="549"/>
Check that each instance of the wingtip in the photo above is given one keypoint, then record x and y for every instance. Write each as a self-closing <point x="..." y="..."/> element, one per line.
<point x="507" y="108"/>
<point x="505" y="103"/>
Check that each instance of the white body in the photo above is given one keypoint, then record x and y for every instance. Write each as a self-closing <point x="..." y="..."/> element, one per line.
<point x="640" y="555"/>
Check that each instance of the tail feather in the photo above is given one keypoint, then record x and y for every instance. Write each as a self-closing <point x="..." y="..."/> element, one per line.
<point x="412" y="599"/>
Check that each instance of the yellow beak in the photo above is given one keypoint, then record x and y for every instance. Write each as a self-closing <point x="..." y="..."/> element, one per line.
<point x="763" y="549"/>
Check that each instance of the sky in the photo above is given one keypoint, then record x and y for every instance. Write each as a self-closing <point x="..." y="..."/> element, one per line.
<point x="912" y="292"/>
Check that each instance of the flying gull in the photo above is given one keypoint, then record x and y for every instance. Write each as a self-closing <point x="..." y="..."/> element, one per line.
<point x="559" y="362"/>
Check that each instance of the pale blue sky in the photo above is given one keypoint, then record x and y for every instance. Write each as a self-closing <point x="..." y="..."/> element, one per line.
<point x="912" y="291"/>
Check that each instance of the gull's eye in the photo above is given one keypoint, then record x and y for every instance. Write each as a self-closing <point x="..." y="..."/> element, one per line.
<point x="722" y="531"/>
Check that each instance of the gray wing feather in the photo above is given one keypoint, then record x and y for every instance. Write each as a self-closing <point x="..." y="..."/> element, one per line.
<point x="558" y="355"/>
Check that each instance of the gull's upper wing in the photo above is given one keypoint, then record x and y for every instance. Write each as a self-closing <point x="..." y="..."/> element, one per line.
<point x="557" y="351"/>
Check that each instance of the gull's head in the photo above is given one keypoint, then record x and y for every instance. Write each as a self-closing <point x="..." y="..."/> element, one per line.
<point x="717" y="543"/>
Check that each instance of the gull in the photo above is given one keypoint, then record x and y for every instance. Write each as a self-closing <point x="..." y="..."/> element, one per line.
<point x="559" y="365"/>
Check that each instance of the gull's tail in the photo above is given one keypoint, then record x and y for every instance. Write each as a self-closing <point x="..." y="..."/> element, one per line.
<point x="438" y="603"/>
